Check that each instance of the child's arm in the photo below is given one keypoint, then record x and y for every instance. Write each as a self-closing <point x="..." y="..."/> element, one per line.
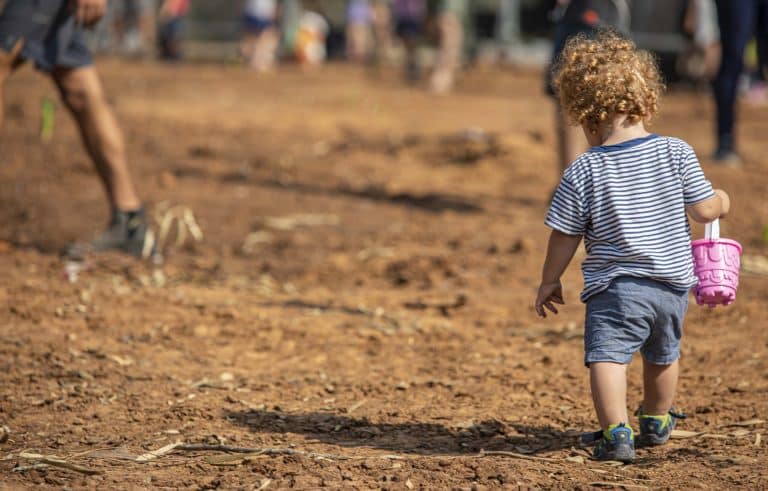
<point x="710" y="209"/>
<point x="560" y="251"/>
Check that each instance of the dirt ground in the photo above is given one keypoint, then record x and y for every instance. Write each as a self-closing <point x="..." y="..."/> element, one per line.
<point x="360" y="304"/>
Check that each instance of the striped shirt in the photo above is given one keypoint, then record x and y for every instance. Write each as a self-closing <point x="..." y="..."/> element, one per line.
<point x="628" y="201"/>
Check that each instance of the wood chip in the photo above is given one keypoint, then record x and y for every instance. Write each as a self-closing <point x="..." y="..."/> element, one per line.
<point x="354" y="407"/>
<point x="264" y="484"/>
<point x="516" y="455"/>
<point x="576" y="459"/>
<point x="749" y="422"/>
<point x="5" y="432"/>
<point x="683" y="434"/>
<point x="158" y="453"/>
<point x="727" y="459"/>
<point x="758" y="439"/>
<point x="55" y="461"/>
<point x="609" y="484"/>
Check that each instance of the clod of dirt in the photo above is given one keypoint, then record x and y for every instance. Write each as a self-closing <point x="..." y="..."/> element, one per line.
<point x="470" y="146"/>
<point x="167" y="180"/>
<point x="201" y="152"/>
<point x="423" y="272"/>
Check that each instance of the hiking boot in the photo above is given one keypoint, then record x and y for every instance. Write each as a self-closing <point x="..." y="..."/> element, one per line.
<point x="656" y="430"/>
<point x="616" y="443"/>
<point x="128" y="232"/>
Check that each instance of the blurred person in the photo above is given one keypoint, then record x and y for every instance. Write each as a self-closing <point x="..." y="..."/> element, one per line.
<point x="358" y="31"/>
<point x="450" y="21"/>
<point x="700" y="22"/>
<point x="739" y="20"/>
<point x="134" y="24"/>
<point x="170" y="26"/>
<point x="310" y="43"/>
<point x="756" y="91"/>
<point x="381" y="18"/>
<point x="52" y="34"/>
<point x="261" y="36"/>
<point x="574" y="17"/>
<point x="410" y="16"/>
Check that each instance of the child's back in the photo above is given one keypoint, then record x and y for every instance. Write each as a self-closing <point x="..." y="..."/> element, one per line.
<point x="628" y="201"/>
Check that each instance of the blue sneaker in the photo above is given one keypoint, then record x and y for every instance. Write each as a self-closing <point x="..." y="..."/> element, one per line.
<point x="615" y="443"/>
<point x="656" y="430"/>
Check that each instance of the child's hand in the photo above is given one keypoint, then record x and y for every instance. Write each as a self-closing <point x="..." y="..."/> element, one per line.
<point x="725" y="201"/>
<point x="549" y="294"/>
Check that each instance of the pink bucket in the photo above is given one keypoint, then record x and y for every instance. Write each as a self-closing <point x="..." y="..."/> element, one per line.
<point x="716" y="264"/>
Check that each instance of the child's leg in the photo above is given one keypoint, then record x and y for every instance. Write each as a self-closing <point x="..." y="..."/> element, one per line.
<point x="659" y="385"/>
<point x="609" y="392"/>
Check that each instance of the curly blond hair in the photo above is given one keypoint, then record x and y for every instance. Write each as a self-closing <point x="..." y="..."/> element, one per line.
<point x="600" y="77"/>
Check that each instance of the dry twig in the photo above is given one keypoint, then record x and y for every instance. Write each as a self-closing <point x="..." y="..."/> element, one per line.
<point x="57" y="462"/>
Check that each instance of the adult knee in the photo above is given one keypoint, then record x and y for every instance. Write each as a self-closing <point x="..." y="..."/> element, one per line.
<point x="79" y="93"/>
<point x="76" y="98"/>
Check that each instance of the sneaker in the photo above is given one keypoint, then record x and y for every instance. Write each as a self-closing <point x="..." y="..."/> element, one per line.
<point x="656" y="430"/>
<point x="616" y="443"/>
<point x="128" y="232"/>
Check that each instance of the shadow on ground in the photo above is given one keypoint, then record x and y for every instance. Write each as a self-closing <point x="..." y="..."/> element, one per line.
<point x="412" y="437"/>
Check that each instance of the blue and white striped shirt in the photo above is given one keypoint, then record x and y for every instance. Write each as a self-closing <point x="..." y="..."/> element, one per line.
<point x="628" y="201"/>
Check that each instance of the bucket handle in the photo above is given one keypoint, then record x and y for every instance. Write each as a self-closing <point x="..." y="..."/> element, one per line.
<point x="712" y="230"/>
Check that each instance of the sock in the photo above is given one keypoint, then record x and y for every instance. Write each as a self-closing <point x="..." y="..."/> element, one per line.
<point x="607" y="432"/>
<point x="664" y="418"/>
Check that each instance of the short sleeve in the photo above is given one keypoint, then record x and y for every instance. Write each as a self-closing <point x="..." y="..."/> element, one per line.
<point x="567" y="213"/>
<point x="696" y="187"/>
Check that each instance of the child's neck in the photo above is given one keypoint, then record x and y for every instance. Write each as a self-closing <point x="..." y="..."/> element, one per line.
<point x="617" y="131"/>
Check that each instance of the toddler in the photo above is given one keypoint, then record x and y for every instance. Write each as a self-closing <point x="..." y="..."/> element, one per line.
<point x="627" y="196"/>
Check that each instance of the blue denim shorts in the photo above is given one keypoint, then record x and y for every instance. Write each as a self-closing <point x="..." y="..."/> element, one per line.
<point x="48" y="32"/>
<point x="635" y="314"/>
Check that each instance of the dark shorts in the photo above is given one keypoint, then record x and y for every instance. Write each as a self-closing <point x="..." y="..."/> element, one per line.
<point x="563" y="32"/>
<point x="48" y="32"/>
<point x="256" y="25"/>
<point x="409" y="28"/>
<point x="584" y="16"/>
<point x="631" y="315"/>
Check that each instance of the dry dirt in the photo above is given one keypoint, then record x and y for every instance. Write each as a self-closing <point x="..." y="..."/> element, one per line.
<point x="363" y="290"/>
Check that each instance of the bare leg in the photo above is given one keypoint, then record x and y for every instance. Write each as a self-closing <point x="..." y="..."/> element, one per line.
<point x="8" y="63"/>
<point x="382" y="27"/>
<point x="609" y="392"/>
<point x="83" y="95"/>
<point x="570" y="140"/>
<point x="449" y="58"/>
<point x="659" y="385"/>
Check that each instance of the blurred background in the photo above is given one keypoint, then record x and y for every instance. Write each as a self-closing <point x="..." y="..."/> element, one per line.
<point x="264" y="33"/>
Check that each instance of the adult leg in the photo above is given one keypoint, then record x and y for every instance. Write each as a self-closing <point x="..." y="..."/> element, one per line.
<point x="659" y="386"/>
<point x="570" y="139"/>
<point x="736" y="21"/>
<point x="449" y="56"/>
<point x="8" y="63"/>
<point x="82" y="93"/>
<point x="761" y="34"/>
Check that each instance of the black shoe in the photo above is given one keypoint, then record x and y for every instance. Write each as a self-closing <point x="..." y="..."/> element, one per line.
<point x="128" y="232"/>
